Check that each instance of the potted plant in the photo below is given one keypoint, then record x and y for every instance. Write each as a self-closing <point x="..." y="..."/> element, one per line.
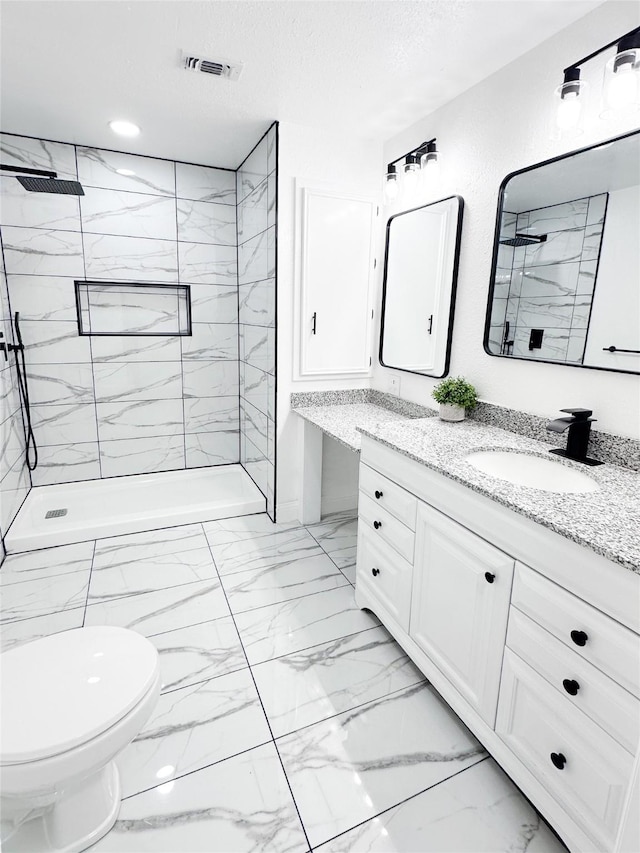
<point x="455" y="396"/>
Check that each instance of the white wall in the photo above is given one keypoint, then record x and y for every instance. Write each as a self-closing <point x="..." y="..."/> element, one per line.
<point x="501" y="125"/>
<point x="351" y="165"/>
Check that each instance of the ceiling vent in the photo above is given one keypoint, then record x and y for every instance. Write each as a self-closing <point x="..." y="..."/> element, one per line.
<point x="216" y="67"/>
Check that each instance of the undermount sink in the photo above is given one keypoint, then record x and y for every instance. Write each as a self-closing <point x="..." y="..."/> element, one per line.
<point x="532" y="471"/>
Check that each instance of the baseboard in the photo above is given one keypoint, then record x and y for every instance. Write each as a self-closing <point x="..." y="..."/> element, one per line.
<point x="287" y="512"/>
<point x="290" y="511"/>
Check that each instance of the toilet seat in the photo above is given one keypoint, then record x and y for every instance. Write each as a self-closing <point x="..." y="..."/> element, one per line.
<point x="64" y="690"/>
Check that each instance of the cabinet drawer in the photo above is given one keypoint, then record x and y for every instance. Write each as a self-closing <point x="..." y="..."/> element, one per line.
<point x="535" y="722"/>
<point x="385" y="526"/>
<point x="608" y="645"/>
<point x="608" y="704"/>
<point x="385" y="575"/>
<point x="389" y="495"/>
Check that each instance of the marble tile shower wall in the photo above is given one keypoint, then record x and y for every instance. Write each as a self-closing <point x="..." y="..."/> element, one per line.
<point x="549" y="285"/>
<point x="107" y="406"/>
<point x="14" y="475"/>
<point x="256" y="191"/>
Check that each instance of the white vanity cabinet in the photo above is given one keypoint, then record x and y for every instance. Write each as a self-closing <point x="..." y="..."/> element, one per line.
<point x="533" y="640"/>
<point x="459" y="606"/>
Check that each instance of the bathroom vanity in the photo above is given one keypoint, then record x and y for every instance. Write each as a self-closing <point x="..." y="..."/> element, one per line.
<point x="521" y="606"/>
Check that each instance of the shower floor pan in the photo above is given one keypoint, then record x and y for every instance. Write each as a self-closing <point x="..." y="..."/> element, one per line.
<point x="117" y="505"/>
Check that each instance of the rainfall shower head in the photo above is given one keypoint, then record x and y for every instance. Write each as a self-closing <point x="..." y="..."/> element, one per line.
<point x="51" y="185"/>
<point x="39" y="181"/>
<point x="524" y="240"/>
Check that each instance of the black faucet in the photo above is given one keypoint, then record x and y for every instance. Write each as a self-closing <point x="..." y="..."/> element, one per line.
<point x="579" y="426"/>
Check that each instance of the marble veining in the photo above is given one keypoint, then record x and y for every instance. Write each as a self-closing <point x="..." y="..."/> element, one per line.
<point x="333" y="726"/>
<point x="606" y="520"/>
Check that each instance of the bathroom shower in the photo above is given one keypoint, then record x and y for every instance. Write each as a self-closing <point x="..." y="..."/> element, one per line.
<point x="33" y="180"/>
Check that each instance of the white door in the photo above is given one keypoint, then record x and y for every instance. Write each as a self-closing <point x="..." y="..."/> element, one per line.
<point x="460" y="606"/>
<point x="334" y="320"/>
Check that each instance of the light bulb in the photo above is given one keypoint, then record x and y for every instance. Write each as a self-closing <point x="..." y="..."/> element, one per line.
<point x="411" y="178"/>
<point x="622" y="81"/>
<point x="569" y="109"/>
<point x="570" y="102"/>
<point x="391" y="188"/>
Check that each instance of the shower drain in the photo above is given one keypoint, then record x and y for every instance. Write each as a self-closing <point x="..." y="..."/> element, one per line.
<point x="56" y="513"/>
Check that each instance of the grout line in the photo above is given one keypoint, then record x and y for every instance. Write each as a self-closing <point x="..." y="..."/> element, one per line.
<point x="86" y="601"/>
<point x="262" y="704"/>
<point x="401" y="803"/>
<point x="197" y="770"/>
<point x="375" y="699"/>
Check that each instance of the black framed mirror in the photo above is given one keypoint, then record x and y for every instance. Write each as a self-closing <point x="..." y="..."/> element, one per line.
<point x="565" y="278"/>
<point x="419" y="289"/>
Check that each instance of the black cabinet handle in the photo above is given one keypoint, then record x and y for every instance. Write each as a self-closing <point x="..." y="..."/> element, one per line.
<point x="314" y="318"/>
<point x="558" y="760"/>
<point x="377" y="524"/>
<point x="489" y="577"/>
<point x="430" y="329"/>
<point x="375" y="572"/>
<point x="579" y="638"/>
<point x="378" y="494"/>
<point x="571" y="686"/>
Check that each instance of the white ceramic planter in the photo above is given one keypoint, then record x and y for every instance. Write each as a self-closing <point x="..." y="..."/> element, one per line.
<point x="449" y="412"/>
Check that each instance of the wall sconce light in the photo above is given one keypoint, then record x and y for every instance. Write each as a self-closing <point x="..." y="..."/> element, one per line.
<point x="420" y="159"/>
<point x="571" y="96"/>
<point x="622" y="76"/>
<point x="621" y="84"/>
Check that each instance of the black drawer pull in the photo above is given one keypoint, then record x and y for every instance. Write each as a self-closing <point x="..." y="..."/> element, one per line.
<point x="489" y="577"/>
<point x="579" y="638"/>
<point x="377" y="525"/>
<point x="375" y="572"/>
<point x="558" y="760"/>
<point x="571" y="686"/>
<point x="378" y="494"/>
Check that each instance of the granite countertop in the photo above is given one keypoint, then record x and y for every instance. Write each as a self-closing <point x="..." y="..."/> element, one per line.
<point x="340" y="413"/>
<point x="341" y="420"/>
<point x="607" y="521"/>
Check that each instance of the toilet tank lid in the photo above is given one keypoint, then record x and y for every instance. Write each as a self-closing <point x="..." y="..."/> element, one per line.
<point x="61" y="691"/>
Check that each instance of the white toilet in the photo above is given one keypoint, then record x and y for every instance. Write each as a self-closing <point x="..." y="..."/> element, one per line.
<point x="70" y="703"/>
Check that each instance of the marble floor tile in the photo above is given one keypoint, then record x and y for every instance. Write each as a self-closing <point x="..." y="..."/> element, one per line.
<point x="314" y="684"/>
<point x="156" y="612"/>
<point x="47" y="562"/>
<point x="257" y="544"/>
<point x="46" y="595"/>
<point x="337" y="535"/>
<point x="16" y="633"/>
<point x="349" y="768"/>
<point x="117" y="550"/>
<point x="350" y="574"/>
<point x="193" y="727"/>
<point x="240" y="805"/>
<point x="478" y="811"/>
<point x="198" y="653"/>
<point x="280" y="629"/>
<point x="153" y="573"/>
<point x="275" y="584"/>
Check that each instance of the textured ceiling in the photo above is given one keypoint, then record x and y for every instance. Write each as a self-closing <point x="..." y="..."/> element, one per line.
<point x="366" y="68"/>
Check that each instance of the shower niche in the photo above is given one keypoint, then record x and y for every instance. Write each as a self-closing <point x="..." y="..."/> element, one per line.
<point x="133" y="309"/>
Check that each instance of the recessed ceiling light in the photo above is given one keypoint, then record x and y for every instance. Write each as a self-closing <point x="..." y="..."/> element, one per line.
<point x="124" y="128"/>
<point x="128" y="173"/>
